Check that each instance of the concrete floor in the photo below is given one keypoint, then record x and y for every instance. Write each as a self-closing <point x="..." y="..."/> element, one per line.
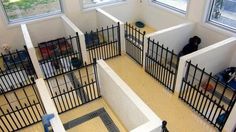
<point x="166" y="105"/>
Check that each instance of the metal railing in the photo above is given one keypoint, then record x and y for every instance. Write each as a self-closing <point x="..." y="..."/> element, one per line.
<point x="20" y="108"/>
<point x="74" y="88"/>
<point x="162" y="64"/>
<point x="104" y="43"/>
<point x="60" y="56"/>
<point x="17" y="71"/>
<point x="207" y="95"/>
<point x="134" y="43"/>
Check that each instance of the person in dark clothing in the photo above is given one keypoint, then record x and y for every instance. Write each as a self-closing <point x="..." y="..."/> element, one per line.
<point x="191" y="46"/>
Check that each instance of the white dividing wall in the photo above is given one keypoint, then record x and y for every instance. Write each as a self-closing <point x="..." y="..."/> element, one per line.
<point x="208" y="35"/>
<point x="233" y="61"/>
<point x="43" y="31"/>
<point x="11" y="36"/>
<point x="177" y="37"/>
<point x="85" y="20"/>
<point x="129" y="108"/>
<point x="49" y="106"/>
<point x="159" y="18"/>
<point x="128" y="11"/>
<point x="31" y="50"/>
<point x="213" y="58"/>
<point x="105" y="19"/>
<point x="230" y="125"/>
<point x="174" y="37"/>
<point x="71" y="29"/>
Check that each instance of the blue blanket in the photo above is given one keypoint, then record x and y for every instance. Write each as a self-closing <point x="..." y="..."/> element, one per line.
<point x="220" y="76"/>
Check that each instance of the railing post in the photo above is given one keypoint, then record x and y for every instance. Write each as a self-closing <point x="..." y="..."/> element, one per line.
<point x="164" y="128"/>
<point x="122" y="37"/>
<point x="180" y="73"/>
<point x="145" y="50"/>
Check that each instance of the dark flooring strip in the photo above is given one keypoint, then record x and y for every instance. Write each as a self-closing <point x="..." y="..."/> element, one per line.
<point x="106" y="119"/>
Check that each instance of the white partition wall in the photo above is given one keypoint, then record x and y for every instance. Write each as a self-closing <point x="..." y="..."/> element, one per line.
<point x="174" y="37"/>
<point x="54" y="28"/>
<point x="105" y="19"/>
<point x="11" y="37"/>
<point x="130" y="109"/>
<point x="72" y="29"/>
<point x="43" y="31"/>
<point x="213" y="58"/>
<point x="49" y="106"/>
<point x="177" y="37"/>
<point x="31" y="50"/>
<point x="125" y="11"/>
<point x="159" y="18"/>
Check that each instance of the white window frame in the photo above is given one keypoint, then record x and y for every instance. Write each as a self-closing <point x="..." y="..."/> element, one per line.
<point x="216" y="24"/>
<point x="95" y="5"/>
<point x="29" y="18"/>
<point x="170" y="8"/>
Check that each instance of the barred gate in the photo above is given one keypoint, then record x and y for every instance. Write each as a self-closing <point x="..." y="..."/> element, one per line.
<point x="74" y="88"/>
<point x="60" y="56"/>
<point x="207" y="95"/>
<point x="20" y="108"/>
<point x="104" y="43"/>
<point x="134" y="43"/>
<point x="162" y="64"/>
<point x="17" y="70"/>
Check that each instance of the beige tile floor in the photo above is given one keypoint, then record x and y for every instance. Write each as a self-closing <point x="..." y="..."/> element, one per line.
<point x="166" y="105"/>
<point x="94" y="125"/>
<point x="146" y="28"/>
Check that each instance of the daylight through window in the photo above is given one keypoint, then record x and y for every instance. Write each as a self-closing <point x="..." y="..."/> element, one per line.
<point x="223" y="13"/>
<point x="21" y="10"/>
<point x="177" y="5"/>
<point x="94" y="3"/>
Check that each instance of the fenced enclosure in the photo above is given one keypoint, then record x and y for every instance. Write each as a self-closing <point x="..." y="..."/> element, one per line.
<point x="60" y="56"/>
<point x="20" y="108"/>
<point x="74" y="88"/>
<point x="134" y="43"/>
<point x="104" y="43"/>
<point x="162" y="64"/>
<point x="16" y="70"/>
<point x="206" y="94"/>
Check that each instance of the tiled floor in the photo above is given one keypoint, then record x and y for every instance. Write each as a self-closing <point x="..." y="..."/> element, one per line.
<point x="19" y="99"/>
<point x="146" y="28"/>
<point x="95" y="123"/>
<point x="166" y="105"/>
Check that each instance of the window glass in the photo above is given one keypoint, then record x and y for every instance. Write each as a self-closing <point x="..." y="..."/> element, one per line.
<point x="21" y="10"/>
<point x="177" y="5"/>
<point x="94" y="3"/>
<point x="223" y="13"/>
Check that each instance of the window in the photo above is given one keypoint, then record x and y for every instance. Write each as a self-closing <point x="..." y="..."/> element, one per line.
<point x="21" y="10"/>
<point x="223" y="13"/>
<point x="177" y="5"/>
<point x="94" y="3"/>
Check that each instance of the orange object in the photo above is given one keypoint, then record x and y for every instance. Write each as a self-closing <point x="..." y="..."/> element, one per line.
<point x="209" y="87"/>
